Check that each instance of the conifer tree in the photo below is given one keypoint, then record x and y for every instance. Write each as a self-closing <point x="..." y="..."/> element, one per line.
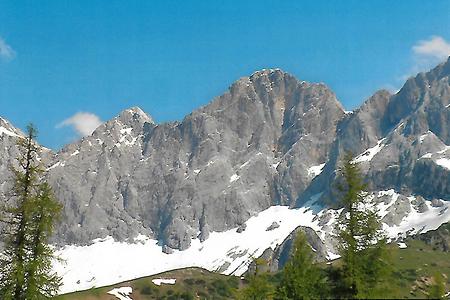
<point x="301" y="278"/>
<point x="42" y="282"/>
<point x="258" y="286"/>
<point x="25" y="265"/>
<point x="362" y="244"/>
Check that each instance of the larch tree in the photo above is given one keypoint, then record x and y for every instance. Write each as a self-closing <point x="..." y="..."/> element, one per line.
<point x="29" y="218"/>
<point x="301" y="277"/>
<point x="258" y="286"/>
<point x="361" y="240"/>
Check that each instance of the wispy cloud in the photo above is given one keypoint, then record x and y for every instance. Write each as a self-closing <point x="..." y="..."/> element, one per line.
<point x="6" y="51"/>
<point x="84" y="123"/>
<point x="436" y="48"/>
<point x="426" y="54"/>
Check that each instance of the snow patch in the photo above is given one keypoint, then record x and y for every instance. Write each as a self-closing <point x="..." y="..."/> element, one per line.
<point x="402" y="245"/>
<point x="315" y="170"/>
<point x="427" y="155"/>
<point x="443" y="162"/>
<point x="58" y="164"/>
<point x="160" y="281"/>
<point x="5" y="131"/>
<point x="423" y="136"/>
<point x="122" y="293"/>
<point x="234" y="177"/>
<point x="370" y="153"/>
<point x="332" y="256"/>
<point x="126" y="130"/>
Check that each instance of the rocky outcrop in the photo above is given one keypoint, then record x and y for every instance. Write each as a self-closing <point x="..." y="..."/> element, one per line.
<point x="278" y="257"/>
<point x="439" y="239"/>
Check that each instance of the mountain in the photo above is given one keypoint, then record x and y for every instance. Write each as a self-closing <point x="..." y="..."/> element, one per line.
<point x="401" y="140"/>
<point x="213" y="189"/>
<point x="247" y="150"/>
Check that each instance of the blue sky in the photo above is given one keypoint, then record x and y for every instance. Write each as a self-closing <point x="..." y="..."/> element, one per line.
<point x="60" y="58"/>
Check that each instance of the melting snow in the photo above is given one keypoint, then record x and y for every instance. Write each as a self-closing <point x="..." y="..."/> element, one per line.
<point x="423" y="136"/>
<point x="58" y="164"/>
<point x="402" y="245"/>
<point x="444" y="162"/>
<point x="122" y="293"/>
<point x="126" y="130"/>
<point x="245" y="164"/>
<point x="160" y="281"/>
<point x="229" y="252"/>
<point x="234" y="177"/>
<point x="315" y="170"/>
<point x="427" y="155"/>
<point x="370" y="153"/>
<point x="332" y="256"/>
<point x="98" y="264"/>
<point x="5" y="131"/>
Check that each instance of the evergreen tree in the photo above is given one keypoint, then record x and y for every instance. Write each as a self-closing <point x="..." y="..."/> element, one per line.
<point x="258" y="286"/>
<point x="25" y="265"/>
<point x="362" y="244"/>
<point x="42" y="282"/>
<point x="301" y="278"/>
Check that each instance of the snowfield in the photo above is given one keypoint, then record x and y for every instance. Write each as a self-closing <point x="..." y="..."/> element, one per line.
<point x="107" y="261"/>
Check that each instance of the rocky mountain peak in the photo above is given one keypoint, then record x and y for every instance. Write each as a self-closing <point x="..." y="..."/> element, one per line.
<point x="442" y="70"/>
<point x="132" y="121"/>
<point x="134" y="114"/>
<point x="7" y="129"/>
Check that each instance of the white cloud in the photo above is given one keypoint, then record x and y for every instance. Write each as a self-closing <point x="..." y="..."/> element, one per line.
<point x="6" y="52"/>
<point x="426" y="54"/>
<point x="84" y="123"/>
<point x="435" y="48"/>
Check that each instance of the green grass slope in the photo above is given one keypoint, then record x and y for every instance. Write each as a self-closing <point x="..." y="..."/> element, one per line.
<point x="191" y="283"/>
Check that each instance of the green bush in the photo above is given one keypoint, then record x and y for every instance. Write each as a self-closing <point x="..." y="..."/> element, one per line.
<point x="148" y="290"/>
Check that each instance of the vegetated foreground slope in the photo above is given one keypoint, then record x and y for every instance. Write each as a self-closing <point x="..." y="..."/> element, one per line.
<point x="269" y="140"/>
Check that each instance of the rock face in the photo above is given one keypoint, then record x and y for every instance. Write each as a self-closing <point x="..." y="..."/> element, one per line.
<point x="279" y="257"/>
<point x="401" y="141"/>
<point x="439" y="239"/>
<point x="247" y="150"/>
<point x="270" y="139"/>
